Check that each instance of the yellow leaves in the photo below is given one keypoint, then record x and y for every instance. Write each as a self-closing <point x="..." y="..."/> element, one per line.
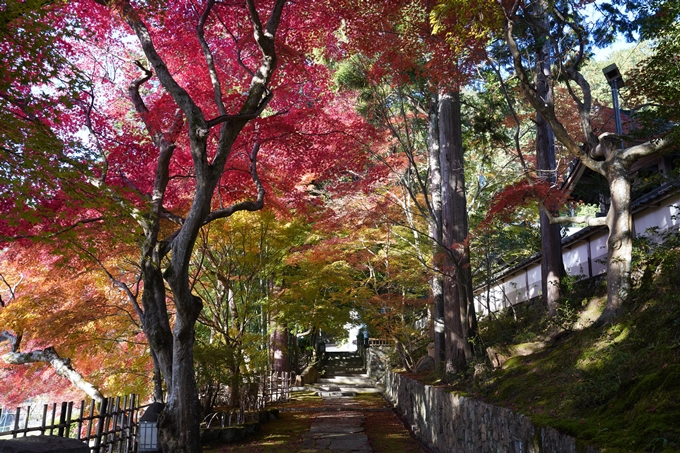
<point x="465" y="22"/>
<point x="19" y="315"/>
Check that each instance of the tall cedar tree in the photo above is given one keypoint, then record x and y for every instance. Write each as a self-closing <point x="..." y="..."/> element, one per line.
<point x="380" y="32"/>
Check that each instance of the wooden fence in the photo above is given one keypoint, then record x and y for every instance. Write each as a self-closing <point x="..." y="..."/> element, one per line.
<point x="276" y="386"/>
<point x="106" y="427"/>
<point x="112" y="426"/>
<point x="272" y="388"/>
<point x="380" y="342"/>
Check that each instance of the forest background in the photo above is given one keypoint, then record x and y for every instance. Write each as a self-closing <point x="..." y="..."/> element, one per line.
<point x="193" y="192"/>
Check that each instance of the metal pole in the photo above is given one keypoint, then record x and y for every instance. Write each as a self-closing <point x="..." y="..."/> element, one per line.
<point x="617" y="110"/>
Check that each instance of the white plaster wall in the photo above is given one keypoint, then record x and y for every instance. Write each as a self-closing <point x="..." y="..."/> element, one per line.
<point x="515" y="288"/>
<point x="665" y="217"/>
<point x="534" y="277"/>
<point x="598" y="253"/>
<point x="673" y="205"/>
<point x="494" y="303"/>
<point x="659" y="218"/>
<point x="576" y="259"/>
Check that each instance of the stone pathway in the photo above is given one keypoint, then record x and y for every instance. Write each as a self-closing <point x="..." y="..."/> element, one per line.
<point x="338" y="424"/>
<point x="337" y="429"/>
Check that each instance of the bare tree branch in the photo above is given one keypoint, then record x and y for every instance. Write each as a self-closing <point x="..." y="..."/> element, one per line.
<point x="51" y="235"/>
<point x="200" y="32"/>
<point x="587" y="219"/>
<point x="245" y="205"/>
<point x="241" y="117"/>
<point x="62" y="366"/>
<point x="548" y="113"/>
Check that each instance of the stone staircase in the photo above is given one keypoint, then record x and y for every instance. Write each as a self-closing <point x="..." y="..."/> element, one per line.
<point x="344" y="375"/>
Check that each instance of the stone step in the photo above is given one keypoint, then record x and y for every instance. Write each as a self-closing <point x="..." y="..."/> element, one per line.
<point x="344" y="359"/>
<point x="342" y="369"/>
<point x="338" y="394"/>
<point x="356" y="382"/>
<point x="344" y="366"/>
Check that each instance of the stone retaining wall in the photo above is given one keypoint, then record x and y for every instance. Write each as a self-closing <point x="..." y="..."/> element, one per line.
<point x="446" y="422"/>
<point x="376" y="360"/>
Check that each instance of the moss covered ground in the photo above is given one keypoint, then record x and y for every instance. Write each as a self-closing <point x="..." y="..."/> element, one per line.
<point x="283" y="435"/>
<point x="615" y="386"/>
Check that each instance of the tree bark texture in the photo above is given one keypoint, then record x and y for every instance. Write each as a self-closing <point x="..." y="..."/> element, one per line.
<point x="620" y="240"/>
<point x="279" y="348"/>
<point x="457" y="349"/>
<point x="552" y="267"/>
<point x="155" y="319"/>
<point x="435" y="231"/>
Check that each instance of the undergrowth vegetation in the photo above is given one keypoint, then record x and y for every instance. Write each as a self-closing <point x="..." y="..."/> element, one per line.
<point x="612" y="386"/>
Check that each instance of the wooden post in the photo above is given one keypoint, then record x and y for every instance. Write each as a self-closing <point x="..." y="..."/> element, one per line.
<point x="44" y="419"/>
<point x="100" y="424"/>
<point x="123" y="425"/>
<point x="62" y="419"/>
<point x="28" y="414"/>
<point x="90" y="420"/>
<point x="54" y="414"/>
<point x="16" y="422"/>
<point x="116" y="417"/>
<point x="80" y="419"/>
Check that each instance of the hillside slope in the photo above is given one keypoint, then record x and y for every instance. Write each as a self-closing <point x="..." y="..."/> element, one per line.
<point x="614" y="386"/>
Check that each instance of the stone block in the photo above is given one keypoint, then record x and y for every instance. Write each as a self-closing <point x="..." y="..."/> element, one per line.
<point x="228" y="435"/>
<point x="309" y="376"/>
<point x="252" y="428"/>
<point x="41" y="444"/>
<point x="426" y="363"/>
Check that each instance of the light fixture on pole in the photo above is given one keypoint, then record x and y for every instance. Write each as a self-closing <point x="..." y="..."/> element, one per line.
<point x="615" y="80"/>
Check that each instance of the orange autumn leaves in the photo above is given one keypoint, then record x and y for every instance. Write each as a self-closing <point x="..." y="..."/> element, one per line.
<point x="81" y="316"/>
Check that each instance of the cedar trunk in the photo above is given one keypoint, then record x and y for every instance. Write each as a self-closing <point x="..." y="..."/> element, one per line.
<point x="435" y="231"/>
<point x="552" y="267"/>
<point x="457" y="349"/>
<point x="279" y="348"/>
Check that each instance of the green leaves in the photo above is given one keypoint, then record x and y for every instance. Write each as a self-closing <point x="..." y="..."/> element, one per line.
<point x="654" y="84"/>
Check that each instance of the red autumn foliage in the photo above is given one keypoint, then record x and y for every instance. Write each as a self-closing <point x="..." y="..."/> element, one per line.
<point x="521" y="194"/>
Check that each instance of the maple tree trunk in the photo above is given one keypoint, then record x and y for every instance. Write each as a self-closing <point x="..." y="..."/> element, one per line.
<point x="457" y="350"/>
<point x="435" y="231"/>
<point x="234" y="378"/>
<point x="156" y="323"/>
<point x="620" y="240"/>
<point x="552" y="267"/>
<point x="157" y="377"/>
<point x="179" y="423"/>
